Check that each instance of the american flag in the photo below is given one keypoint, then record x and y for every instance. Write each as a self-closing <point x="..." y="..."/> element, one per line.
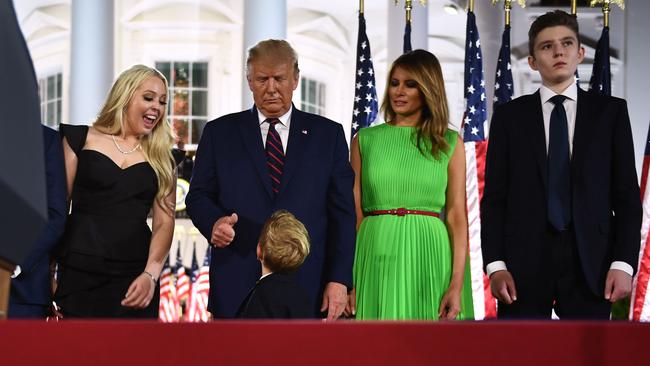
<point x="365" y="94"/>
<point x="600" y="81"/>
<point x="503" y="85"/>
<point x="474" y="120"/>
<point x="475" y="116"/>
<point x="169" y="308"/>
<point x="197" y="311"/>
<point x="194" y="273"/>
<point x="182" y="280"/>
<point x="407" y="37"/>
<point x="640" y="301"/>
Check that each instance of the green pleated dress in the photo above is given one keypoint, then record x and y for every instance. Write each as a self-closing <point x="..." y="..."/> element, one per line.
<point x="402" y="265"/>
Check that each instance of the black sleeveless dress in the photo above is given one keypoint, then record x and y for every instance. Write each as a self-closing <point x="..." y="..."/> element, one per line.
<point x="106" y="241"/>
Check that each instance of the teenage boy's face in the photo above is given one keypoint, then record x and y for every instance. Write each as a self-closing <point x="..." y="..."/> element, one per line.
<point x="556" y="55"/>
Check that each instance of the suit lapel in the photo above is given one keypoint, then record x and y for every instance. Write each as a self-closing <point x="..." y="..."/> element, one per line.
<point x="299" y="133"/>
<point x="250" y="132"/>
<point x="538" y="136"/>
<point x="585" y="117"/>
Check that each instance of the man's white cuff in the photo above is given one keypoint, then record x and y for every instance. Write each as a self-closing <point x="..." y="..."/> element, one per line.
<point x="495" y="266"/>
<point x="622" y="266"/>
<point x="16" y="272"/>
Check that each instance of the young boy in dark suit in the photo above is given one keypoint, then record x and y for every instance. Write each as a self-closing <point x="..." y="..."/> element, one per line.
<point x="560" y="213"/>
<point x="282" y="248"/>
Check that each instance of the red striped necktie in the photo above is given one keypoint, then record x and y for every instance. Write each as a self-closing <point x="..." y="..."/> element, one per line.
<point x="274" y="154"/>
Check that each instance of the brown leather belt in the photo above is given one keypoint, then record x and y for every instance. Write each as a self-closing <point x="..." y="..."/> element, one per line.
<point x="401" y="212"/>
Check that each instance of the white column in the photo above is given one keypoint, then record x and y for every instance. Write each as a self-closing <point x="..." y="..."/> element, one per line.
<point x="263" y="19"/>
<point x="396" y="24"/>
<point x="91" y="58"/>
<point x="637" y="79"/>
<point x="490" y="22"/>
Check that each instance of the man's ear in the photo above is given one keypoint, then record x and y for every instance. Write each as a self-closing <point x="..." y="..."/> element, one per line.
<point x="581" y="54"/>
<point x="250" y="82"/>
<point x="532" y="62"/>
<point x="258" y="252"/>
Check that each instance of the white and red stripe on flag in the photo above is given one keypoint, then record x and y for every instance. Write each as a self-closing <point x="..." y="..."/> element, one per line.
<point x="484" y="303"/>
<point x="168" y="308"/>
<point x="640" y="301"/>
<point x="199" y="299"/>
<point x="182" y="284"/>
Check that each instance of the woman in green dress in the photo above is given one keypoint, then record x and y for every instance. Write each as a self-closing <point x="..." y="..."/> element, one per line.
<point x="410" y="262"/>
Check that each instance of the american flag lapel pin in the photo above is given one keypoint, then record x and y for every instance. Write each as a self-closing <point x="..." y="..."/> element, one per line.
<point x="304" y="132"/>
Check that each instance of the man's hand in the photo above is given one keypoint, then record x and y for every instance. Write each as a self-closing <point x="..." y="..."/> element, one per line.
<point x="223" y="231"/>
<point x="503" y="287"/>
<point x="351" y="306"/>
<point x="335" y="297"/>
<point x="618" y="285"/>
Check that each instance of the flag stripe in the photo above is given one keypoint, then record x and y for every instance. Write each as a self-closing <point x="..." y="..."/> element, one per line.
<point x="640" y="301"/>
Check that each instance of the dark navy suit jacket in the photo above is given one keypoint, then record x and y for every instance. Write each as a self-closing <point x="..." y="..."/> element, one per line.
<point x="606" y="204"/>
<point x="276" y="296"/>
<point x="231" y="176"/>
<point x="32" y="286"/>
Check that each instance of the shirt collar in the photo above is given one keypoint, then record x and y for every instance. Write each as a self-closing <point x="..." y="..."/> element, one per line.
<point x="570" y="92"/>
<point x="285" y="119"/>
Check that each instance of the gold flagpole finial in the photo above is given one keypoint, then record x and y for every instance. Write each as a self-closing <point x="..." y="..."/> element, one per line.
<point x="408" y="5"/>
<point x="360" y="6"/>
<point x="574" y="7"/>
<point x="507" y="6"/>
<point x="470" y="6"/>
<point x="606" y="8"/>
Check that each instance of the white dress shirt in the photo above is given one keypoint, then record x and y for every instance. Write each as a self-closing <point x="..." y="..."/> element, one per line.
<point x="282" y="128"/>
<point x="570" y="106"/>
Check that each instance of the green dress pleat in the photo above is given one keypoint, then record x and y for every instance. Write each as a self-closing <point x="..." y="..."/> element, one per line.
<point x="403" y="264"/>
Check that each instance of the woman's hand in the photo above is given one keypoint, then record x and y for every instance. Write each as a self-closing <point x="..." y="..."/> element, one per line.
<point x="140" y="293"/>
<point x="351" y="306"/>
<point x="450" y="304"/>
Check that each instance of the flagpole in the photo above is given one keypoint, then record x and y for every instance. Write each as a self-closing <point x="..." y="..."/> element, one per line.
<point x="606" y="13"/>
<point x="574" y="7"/>
<point x="471" y="6"/>
<point x="360" y="6"/>
<point x="507" y="5"/>
<point x="408" y="5"/>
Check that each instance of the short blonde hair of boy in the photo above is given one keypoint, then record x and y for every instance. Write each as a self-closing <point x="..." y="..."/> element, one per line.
<point x="284" y="242"/>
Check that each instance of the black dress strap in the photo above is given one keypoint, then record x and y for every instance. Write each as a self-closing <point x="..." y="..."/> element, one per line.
<point x="76" y="136"/>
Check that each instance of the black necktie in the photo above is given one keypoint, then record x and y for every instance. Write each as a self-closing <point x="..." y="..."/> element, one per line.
<point x="559" y="173"/>
<point x="274" y="155"/>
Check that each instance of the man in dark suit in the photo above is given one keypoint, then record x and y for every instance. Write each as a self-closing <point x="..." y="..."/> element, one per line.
<point x="31" y="290"/>
<point x="560" y="213"/>
<point x="273" y="156"/>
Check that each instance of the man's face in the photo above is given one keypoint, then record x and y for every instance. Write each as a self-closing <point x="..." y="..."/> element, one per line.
<point x="272" y="85"/>
<point x="556" y="55"/>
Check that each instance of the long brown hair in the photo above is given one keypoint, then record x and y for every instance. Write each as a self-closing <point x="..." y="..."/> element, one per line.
<point x="425" y="69"/>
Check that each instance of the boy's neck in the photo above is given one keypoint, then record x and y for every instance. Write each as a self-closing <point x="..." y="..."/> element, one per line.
<point x="560" y="87"/>
<point x="265" y="270"/>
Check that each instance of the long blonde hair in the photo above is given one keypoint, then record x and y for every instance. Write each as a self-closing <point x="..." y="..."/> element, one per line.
<point x="158" y="144"/>
<point x="425" y="69"/>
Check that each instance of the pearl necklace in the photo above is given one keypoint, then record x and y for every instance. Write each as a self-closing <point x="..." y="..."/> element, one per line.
<point x="125" y="152"/>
